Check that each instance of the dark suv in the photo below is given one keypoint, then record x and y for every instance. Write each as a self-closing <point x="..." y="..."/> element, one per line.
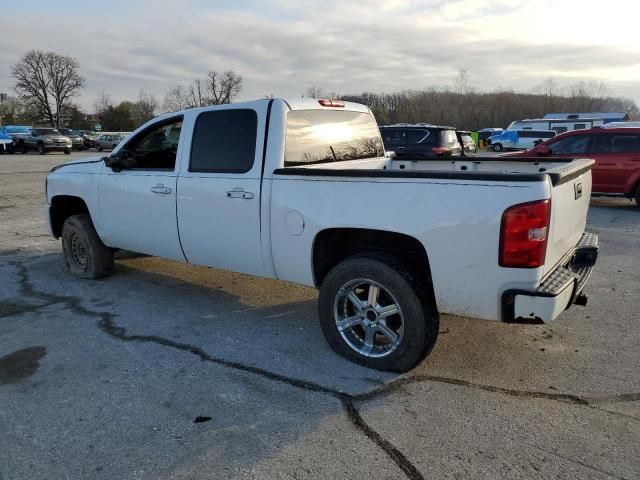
<point x="420" y="140"/>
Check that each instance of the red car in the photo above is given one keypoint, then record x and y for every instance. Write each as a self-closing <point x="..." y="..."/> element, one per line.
<point x="615" y="150"/>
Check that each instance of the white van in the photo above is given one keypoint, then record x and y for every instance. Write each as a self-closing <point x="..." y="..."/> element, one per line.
<point x="519" y="139"/>
<point x="557" y="125"/>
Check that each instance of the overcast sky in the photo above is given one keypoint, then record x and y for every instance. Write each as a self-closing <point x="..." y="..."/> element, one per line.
<point x="281" y="47"/>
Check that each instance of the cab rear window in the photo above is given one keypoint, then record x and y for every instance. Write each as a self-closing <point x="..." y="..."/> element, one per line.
<point x="320" y="136"/>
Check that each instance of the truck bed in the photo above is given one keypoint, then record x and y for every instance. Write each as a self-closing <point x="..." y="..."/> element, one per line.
<point x="453" y="205"/>
<point x="484" y="168"/>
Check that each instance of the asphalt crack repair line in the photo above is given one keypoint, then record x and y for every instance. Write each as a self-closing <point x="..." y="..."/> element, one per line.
<point x="106" y="323"/>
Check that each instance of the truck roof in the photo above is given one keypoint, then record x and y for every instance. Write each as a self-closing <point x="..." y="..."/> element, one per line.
<point x="292" y="103"/>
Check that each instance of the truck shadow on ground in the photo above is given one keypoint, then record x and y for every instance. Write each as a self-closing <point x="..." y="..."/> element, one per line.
<point x="261" y="328"/>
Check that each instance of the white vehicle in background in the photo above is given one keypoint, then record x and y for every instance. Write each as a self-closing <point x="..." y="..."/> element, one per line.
<point x="572" y="122"/>
<point x="622" y="125"/>
<point x="300" y="190"/>
<point x="519" y="139"/>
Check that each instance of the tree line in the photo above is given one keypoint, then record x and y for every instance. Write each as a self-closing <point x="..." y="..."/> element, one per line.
<point x="462" y="107"/>
<point x="47" y="83"/>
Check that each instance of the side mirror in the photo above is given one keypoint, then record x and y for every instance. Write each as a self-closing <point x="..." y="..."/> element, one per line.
<point x="121" y="161"/>
<point x="113" y="162"/>
<point x="390" y="154"/>
<point x="543" y="150"/>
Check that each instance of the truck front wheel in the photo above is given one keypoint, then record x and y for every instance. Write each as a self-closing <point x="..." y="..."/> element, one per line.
<point x="497" y="147"/>
<point x="41" y="149"/>
<point x="375" y="313"/>
<point x="84" y="253"/>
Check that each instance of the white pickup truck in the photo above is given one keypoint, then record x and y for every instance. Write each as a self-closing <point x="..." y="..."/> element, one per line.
<point x="301" y="190"/>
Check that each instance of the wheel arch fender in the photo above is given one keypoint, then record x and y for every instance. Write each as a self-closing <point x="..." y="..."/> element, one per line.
<point x="333" y="245"/>
<point x="633" y="183"/>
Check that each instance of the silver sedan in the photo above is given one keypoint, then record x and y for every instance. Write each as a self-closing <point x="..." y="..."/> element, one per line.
<point x="108" y="142"/>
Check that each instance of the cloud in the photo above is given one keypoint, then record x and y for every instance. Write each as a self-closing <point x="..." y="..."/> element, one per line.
<point x="282" y="47"/>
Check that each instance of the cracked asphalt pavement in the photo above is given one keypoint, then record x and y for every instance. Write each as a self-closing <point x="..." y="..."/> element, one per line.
<point x="168" y="371"/>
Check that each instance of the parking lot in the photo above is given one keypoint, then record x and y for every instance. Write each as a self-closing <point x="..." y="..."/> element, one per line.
<point x="171" y="371"/>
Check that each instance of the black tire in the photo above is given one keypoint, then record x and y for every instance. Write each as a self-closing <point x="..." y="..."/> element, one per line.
<point x="22" y="148"/>
<point x="41" y="149"/>
<point x="67" y="151"/>
<point x="99" y="147"/>
<point x="497" y="147"/>
<point x="84" y="253"/>
<point x="417" y="311"/>
<point x="113" y="147"/>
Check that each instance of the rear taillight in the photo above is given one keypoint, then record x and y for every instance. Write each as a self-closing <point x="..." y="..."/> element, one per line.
<point x="523" y="234"/>
<point x="441" y="150"/>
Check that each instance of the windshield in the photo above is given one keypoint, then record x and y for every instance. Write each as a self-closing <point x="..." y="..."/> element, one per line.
<point x="48" y="131"/>
<point x="317" y="136"/>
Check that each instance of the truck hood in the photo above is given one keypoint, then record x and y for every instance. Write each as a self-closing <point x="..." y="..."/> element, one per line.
<point x="85" y="165"/>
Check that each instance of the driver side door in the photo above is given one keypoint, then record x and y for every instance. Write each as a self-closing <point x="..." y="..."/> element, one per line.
<point x="138" y="198"/>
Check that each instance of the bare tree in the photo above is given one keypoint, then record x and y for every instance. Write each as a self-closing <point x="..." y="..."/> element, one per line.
<point x="314" y="92"/>
<point x="222" y="88"/>
<point x="144" y="108"/>
<point x="197" y="95"/>
<point x="461" y="82"/>
<point x="32" y="84"/>
<point x="177" y="98"/>
<point x="103" y="102"/>
<point x="317" y="92"/>
<point x="46" y="82"/>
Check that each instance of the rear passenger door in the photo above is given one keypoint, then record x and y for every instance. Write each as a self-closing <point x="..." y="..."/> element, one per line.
<point x="419" y="143"/>
<point x="219" y="190"/>
<point x="617" y="158"/>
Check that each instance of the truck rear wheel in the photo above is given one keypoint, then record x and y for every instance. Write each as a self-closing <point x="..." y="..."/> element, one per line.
<point x="84" y="253"/>
<point x="375" y="313"/>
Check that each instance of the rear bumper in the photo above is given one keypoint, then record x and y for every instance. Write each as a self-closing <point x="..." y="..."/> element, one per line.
<point x="562" y="288"/>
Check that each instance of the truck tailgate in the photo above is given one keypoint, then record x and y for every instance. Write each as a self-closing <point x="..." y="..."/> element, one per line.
<point x="570" y="195"/>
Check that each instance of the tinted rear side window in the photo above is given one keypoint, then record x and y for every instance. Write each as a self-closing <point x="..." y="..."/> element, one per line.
<point x="392" y="137"/>
<point x="224" y="141"/>
<point x="618" y="143"/>
<point x="417" y="136"/>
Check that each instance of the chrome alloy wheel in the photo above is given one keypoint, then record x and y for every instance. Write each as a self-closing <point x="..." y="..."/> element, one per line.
<point x="368" y="318"/>
<point x="79" y="255"/>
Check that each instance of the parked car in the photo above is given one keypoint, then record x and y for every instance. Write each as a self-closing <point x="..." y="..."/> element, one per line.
<point x="300" y="190"/>
<point x="77" y="141"/>
<point x="108" y="142"/>
<point x="518" y="139"/>
<point x="46" y="140"/>
<point x="469" y="146"/>
<point x="615" y="150"/>
<point x="89" y="138"/>
<point x="6" y="143"/>
<point x="420" y="141"/>
<point x="18" y="133"/>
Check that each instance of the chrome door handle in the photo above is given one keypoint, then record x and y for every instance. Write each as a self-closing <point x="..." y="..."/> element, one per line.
<point x="161" y="189"/>
<point x="239" y="194"/>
